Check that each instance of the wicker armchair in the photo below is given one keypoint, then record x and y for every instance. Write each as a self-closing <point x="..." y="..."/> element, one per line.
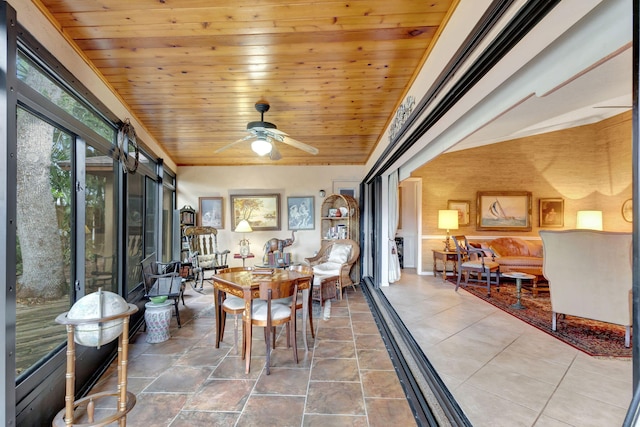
<point x="335" y="258"/>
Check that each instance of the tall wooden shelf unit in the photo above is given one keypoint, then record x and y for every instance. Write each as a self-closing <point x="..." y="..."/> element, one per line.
<point x="330" y="224"/>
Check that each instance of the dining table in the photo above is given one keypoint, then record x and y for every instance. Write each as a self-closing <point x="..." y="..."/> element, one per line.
<point x="246" y="285"/>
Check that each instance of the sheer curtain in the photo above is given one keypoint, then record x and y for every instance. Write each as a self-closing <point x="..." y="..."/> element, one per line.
<point x="394" y="211"/>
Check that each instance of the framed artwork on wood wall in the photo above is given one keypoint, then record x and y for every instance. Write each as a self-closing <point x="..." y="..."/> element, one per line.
<point x="503" y="210"/>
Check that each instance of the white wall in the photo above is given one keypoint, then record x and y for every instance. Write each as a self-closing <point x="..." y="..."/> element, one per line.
<point x="221" y="181"/>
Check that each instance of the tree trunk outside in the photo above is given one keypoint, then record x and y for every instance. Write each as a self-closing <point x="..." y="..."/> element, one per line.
<point x="37" y="224"/>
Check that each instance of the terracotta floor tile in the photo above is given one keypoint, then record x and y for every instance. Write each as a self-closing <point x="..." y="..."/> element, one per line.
<point x="389" y="412"/>
<point x="326" y="397"/>
<point x="381" y="384"/>
<point x="272" y="411"/>
<point x="335" y="370"/>
<point x="334" y="349"/>
<point x="283" y="381"/>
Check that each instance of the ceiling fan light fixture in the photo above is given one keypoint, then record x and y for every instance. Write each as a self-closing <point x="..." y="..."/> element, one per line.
<point x="261" y="147"/>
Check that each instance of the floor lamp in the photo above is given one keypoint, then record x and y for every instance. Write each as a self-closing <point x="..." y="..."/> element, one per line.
<point x="448" y="220"/>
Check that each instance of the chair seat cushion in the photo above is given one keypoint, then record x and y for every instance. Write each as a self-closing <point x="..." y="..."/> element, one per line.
<point x="327" y="269"/>
<point x="478" y="264"/>
<point x="207" y="261"/>
<point x="232" y="302"/>
<point x="278" y="311"/>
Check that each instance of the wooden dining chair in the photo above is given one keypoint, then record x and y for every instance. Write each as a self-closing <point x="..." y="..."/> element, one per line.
<point x="307" y="271"/>
<point x="233" y="305"/>
<point x="271" y="314"/>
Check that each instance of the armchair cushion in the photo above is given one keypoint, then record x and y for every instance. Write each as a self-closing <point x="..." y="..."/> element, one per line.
<point x="327" y="269"/>
<point x="339" y="253"/>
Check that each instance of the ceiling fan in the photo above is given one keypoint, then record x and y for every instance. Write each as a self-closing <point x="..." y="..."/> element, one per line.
<point x="264" y="134"/>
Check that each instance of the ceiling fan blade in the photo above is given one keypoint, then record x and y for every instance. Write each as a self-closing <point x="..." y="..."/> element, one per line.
<point x="299" y="145"/>
<point x="275" y="154"/>
<point x="246" y="138"/>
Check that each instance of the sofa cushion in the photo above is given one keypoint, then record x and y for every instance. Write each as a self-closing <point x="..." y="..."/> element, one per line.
<point x="510" y="246"/>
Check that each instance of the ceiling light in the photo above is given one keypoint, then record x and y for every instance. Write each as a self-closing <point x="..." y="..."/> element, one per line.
<point x="261" y="147"/>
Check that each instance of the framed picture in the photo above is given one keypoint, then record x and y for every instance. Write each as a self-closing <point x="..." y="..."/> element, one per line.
<point x="349" y="188"/>
<point x="463" y="207"/>
<point x="262" y="211"/>
<point x="211" y="213"/>
<point x="551" y="212"/>
<point x="504" y="210"/>
<point x="300" y="211"/>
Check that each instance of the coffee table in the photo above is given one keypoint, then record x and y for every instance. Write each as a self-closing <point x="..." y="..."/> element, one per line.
<point x="518" y="277"/>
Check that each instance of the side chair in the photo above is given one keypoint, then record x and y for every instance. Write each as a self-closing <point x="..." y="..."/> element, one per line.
<point x="233" y="305"/>
<point x="271" y="314"/>
<point x="477" y="262"/>
<point x="306" y="270"/>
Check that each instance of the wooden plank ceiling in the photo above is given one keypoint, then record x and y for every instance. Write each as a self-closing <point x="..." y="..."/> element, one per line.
<point x="333" y="72"/>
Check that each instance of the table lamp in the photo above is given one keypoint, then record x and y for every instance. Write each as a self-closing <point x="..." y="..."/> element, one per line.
<point x="589" y="220"/>
<point x="448" y="220"/>
<point x="244" y="227"/>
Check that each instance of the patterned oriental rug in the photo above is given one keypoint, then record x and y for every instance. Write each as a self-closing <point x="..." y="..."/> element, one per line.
<point x="592" y="337"/>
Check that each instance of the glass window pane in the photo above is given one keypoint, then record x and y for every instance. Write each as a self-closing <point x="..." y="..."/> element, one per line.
<point x="167" y="224"/>
<point x="135" y="192"/>
<point x="43" y="238"/>
<point x="37" y="79"/>
<point x="100" y="227"/>
<point x="151" y="216"/>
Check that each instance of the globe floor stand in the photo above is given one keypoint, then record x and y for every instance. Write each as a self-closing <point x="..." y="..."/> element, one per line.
<point x="125" y="399"/>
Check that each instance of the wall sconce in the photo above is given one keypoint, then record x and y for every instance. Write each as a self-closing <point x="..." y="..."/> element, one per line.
<point x="448" y="219"/>
<point x="322" y="193"/>
<point x="589" y="220"/>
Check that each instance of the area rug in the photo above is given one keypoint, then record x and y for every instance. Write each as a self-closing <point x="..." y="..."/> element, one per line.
<point x="592" y="337"/>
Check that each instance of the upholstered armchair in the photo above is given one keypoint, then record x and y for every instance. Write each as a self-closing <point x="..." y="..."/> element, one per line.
<point x="335" y="258"/>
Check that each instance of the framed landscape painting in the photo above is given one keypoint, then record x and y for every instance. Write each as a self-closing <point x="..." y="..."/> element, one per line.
<point x="210" y="212"/>
<point x="504" y="210"/>
<point x="300" y="211"/>
<point x="262" y="211"/>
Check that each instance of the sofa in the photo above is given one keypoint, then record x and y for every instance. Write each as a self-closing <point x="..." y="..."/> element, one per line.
<point x="515" y="254"/>
<point x="590" y="275"/>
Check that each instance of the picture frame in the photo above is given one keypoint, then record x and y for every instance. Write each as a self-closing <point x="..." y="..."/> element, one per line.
<point x="262" y="211"/>
<point x="349" y="188"/>
<point x="211" y="212"/>
<point x="300" y="213"/>
<point x="551" y="212"/>
<point x="503" y="210"/>
<point x="463" y="207"/>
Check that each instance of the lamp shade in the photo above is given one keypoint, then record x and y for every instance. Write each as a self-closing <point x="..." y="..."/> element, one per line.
<point x="243" y="227"/>
<point x="589" y="220"/>
<point x="448" y="219"/>
<point x="261" y="146"/>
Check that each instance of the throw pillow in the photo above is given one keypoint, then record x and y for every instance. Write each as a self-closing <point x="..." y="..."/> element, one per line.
<point x="339" y="253"/>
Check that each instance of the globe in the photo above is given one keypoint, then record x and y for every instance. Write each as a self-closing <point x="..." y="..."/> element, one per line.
<point x="94" y="306"/>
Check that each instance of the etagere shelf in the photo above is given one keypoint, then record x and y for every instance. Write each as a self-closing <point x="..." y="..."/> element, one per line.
<point x="340" y="219"/>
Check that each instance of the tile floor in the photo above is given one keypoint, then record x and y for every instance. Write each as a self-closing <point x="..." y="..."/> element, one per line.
<point x="345" y="379"/>
<point x="504" y="372"/>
